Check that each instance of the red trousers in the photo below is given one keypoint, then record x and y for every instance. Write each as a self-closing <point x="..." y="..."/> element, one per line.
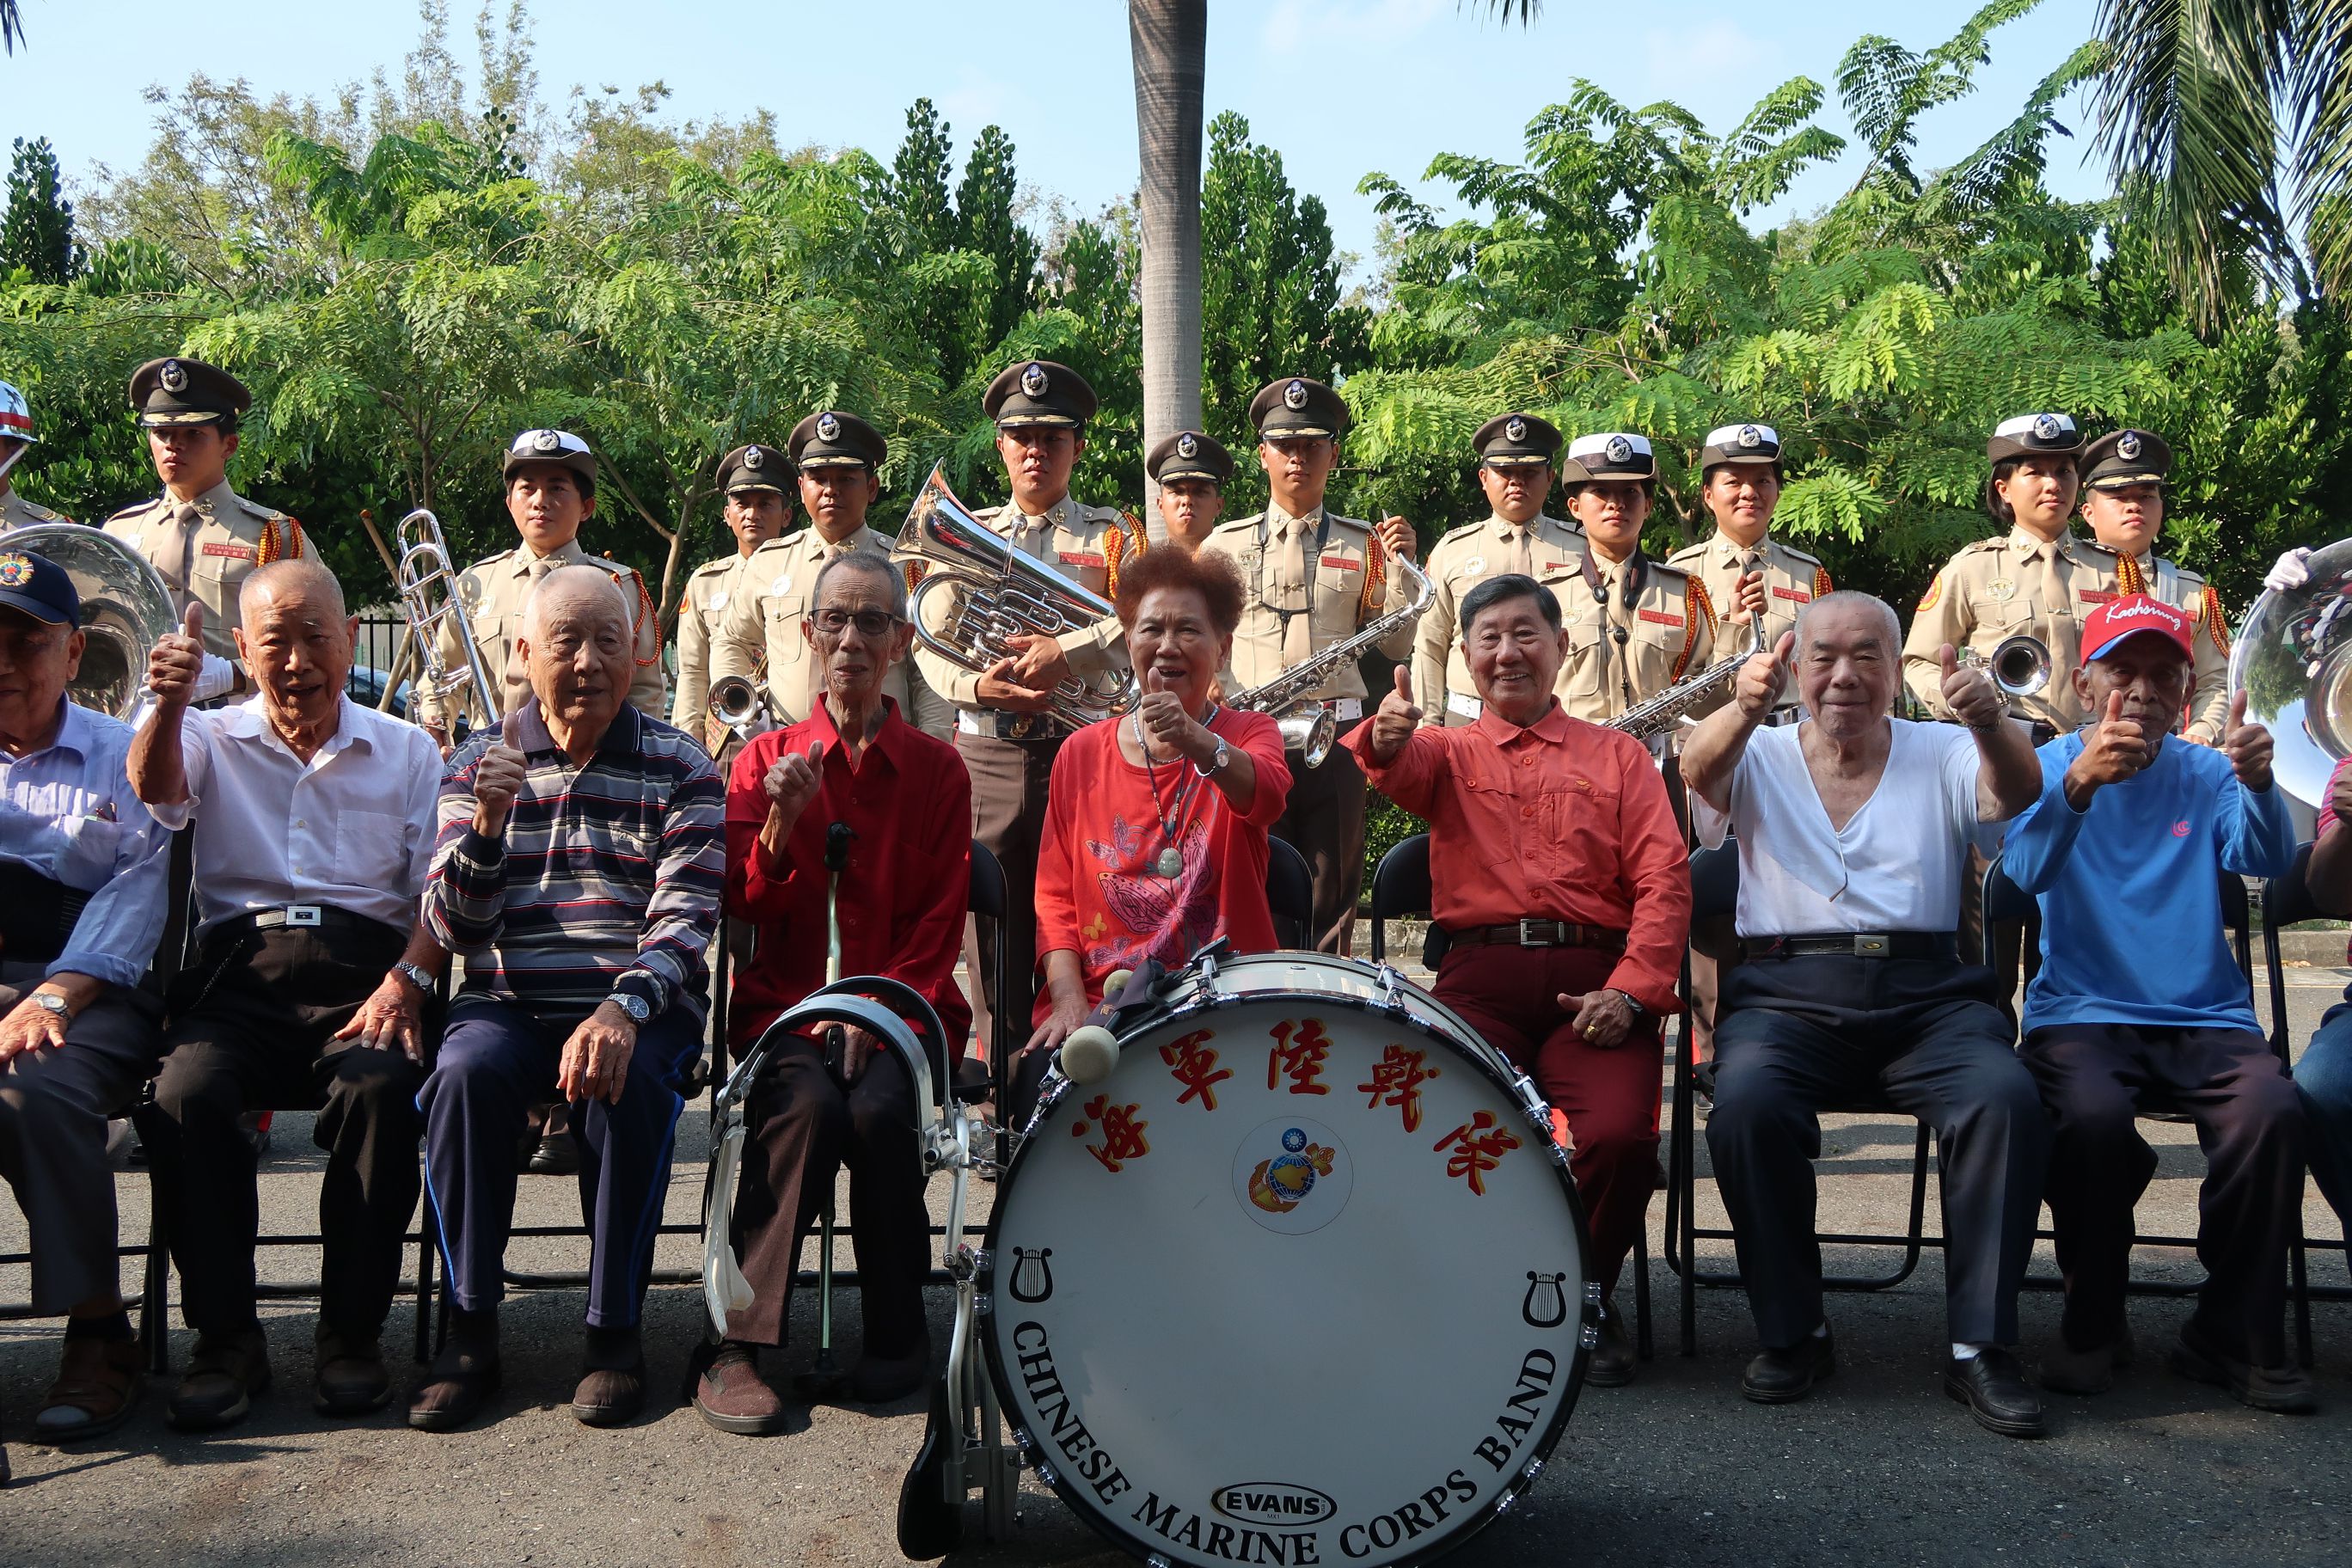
<point x="1511" y="996"/>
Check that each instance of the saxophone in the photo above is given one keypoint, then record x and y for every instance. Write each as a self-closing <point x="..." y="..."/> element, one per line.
<point x="1308" y="726"/>
<point x="1647" y="721"/>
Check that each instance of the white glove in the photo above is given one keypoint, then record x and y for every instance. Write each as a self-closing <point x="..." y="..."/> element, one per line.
<point x="2289" y="571"/>
<point x="220" y="674"/>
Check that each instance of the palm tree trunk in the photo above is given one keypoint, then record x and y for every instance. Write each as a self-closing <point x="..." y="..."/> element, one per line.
<point x="1169" y="42"/>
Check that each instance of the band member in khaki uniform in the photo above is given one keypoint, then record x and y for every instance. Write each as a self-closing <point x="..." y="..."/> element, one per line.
<point x="839" y="460"/>
<point x="758" y="484"/>
<point x="2123" y="501"/>
<point x="1740" y="481"/>
<point x="1516" y="454"/>
<point x="1314" y="578"/>
<point x="199" y="534"/>
<point x="1191" y="469"/>
<point x="17" y="439"/>
<point x="551" y="486"/>
<point x="1007" y="738"/>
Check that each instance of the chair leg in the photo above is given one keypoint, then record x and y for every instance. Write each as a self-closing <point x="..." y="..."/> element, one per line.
<point x="1643" y="1345"/>
<point x="154" y="1298"/>
<point x="425" y="1293"/>
<point x="2300" y="1284"/>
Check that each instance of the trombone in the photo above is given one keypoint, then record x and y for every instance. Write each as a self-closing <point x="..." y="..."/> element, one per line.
<point x="425" y="571"/>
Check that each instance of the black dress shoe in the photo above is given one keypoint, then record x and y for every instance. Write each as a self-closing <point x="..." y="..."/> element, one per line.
<point x="1612" y="1363"/>
<point x="1780" y="1376"/>
<point x="2285" y="1389"/>
<point x="879" y="1380"/>
<point x="1992" y="1384"/>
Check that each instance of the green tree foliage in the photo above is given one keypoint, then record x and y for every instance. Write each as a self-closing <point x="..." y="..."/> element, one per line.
<point x="37" y="238"/>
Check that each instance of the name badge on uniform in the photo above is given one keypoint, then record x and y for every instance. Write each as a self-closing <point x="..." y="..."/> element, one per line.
<point x="1337" y="562"/>
<point x="2095" y="595"/>
<point x="780" y="585"/>
<point x="229" y="551"/>
<point x="1080" y="558"/>
<point x="1797" y="594"/>
<point x="1661" y="618"/>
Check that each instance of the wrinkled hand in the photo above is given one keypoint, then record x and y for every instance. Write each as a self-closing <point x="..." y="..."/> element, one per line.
<point x="2115" y="749"/>
<point x="1167" y="727"/>
<point x="1069" y="1013"/>
<point x="29" y="1026"/>
<point x="1968" y="691"/>
<point x="791" y="782"/>
<point x="499" y="778"/>
<point x="1001" y="689"/>
<point x="857" y="1048"/>
<point x="392" y="1018"/>
<point x="2290" y="571"/>
<point x="1748" y="598"/>
<point x="1398" y="718"/>
<point x="2247" y="746"/>
<point x="178" y="661"/>
<point x="596" y="1058"/>
<point x="1041" y="665"/>
<point x="1764" y="678"/>
<point x="1397" y="537"/>
<point x="1604" y="1019"/>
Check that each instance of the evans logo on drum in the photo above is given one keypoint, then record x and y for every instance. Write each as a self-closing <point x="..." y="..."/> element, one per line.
<point x="1273" y="1502"/>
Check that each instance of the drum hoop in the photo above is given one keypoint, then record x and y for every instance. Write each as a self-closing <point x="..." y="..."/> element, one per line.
<point x="1082" y="1502"/>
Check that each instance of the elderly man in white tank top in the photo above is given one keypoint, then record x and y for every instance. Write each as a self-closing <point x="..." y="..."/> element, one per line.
<point x="1853" y="830"/>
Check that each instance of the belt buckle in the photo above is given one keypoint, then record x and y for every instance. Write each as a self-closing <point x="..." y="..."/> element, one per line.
<point x="1870" y="944"/>
<point x="1527" y="936"/>
<point x="301" y="914"/>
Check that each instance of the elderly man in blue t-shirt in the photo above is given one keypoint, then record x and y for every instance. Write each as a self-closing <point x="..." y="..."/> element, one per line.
<point x="2138" y="992"/>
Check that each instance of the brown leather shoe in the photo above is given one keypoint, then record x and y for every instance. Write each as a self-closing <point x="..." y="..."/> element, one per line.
<point x="98" y="1386"/>
<point x="1612" y="1362"/>
<point x="463" y="1379"/>
<point x="225" y="1372"/>
<point x="732" y="1395"/>
<point x="351" y="1379"/>
<point x="612" y="1389"/>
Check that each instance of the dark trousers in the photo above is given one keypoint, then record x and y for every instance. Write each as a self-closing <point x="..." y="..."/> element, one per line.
<point x="2323" y="1080"/>
<point x="1799" y="1035"/>
<point x="252" y="1027"/>
<point x="497" y="1061"/>
<point x="2016" y="944"/>
<point x="1008" y="816"/>
<point x="1324" y="821"/>
<point x="805" y="1127"/>
<point x="54" y="1106"/>
<point x="1509" y="995"/>
<point x="2094" y="1079"/>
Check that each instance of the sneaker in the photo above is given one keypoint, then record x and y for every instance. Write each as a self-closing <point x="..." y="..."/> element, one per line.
<point x="223" y="1374"/>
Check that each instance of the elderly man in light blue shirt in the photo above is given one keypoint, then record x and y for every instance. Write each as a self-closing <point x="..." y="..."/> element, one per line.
<point x="81" y="906"/>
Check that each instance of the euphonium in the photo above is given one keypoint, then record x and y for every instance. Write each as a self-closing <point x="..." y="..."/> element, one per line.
<point x="2293" y="658"/>
<point x="1310" y="727"/>
<point x="424" y="570"/>
<point x="125" y="609"/>
<point x="997" y="594"/>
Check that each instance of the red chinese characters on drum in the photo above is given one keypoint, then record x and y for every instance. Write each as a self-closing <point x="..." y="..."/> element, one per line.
<point x="1192" y="1063"/>
<point x="1122" y="1133"/>
<point x="1478" y="1146"/>
<point x="1297" y="1054"/>
<point x="1397" y="1079"/>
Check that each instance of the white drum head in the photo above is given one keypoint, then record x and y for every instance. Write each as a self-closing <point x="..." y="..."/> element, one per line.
<point x="1236" y="1319"/>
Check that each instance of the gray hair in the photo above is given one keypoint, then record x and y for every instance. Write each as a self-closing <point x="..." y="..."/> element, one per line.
<point x="1890" y="623"/>
<point x="299" y="574"/>
<point x="567" y="584"/>
<point x="871" y="561"/>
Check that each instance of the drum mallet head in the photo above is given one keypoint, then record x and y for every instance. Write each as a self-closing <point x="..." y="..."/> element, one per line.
<point x="1089" y="1054"/>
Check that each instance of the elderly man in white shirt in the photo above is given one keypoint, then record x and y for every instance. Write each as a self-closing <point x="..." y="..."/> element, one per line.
<point x="313" y="830"/>
<point x="1853" y="831"/>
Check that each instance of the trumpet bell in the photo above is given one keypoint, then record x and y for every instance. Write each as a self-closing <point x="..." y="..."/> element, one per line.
<point x="734" y="701"/>
<point x="2019" y="665"/>
<point x="125" y="610"/>
<point x="2293" y="659"/>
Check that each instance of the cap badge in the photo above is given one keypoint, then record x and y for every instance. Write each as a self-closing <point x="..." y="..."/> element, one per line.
<point x="1517" y="430"/>
<point x="545" y="441"/>
<point x="2128" y="447"/>
<point x="2046" y="428"/>
<point x="16" y="570"/>
<point x="1187" y="447"/>
<point x="174" y="376"/>
<point x="1294" y="396"/>
<point x="828" y="428"/>
<point x="1751" y="437"/>
<point x="1619" y="450"/>
<point x="754" y="458"/>
<point x="1032" y="380"/>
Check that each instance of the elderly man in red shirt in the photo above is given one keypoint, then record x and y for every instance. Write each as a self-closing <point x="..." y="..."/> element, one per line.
<point x="857" y="763"/>
<point x="1559" y="877"/>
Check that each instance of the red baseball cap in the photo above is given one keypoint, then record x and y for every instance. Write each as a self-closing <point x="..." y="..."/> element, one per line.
<point x="2130" y="615"/>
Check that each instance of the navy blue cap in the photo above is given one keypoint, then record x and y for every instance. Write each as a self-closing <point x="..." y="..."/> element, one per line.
<point x="38" y="587"/>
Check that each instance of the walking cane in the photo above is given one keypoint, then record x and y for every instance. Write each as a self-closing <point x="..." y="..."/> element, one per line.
<point x="824" y="1377"/>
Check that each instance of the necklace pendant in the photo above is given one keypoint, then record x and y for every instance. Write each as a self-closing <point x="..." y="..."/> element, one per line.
<point x="1169" y="865"/>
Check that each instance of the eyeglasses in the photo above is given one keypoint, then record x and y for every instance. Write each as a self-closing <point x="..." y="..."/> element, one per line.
<point x="869" y="623"/>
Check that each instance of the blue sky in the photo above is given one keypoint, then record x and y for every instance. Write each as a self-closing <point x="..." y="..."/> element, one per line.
<point x="1340" y="87"/>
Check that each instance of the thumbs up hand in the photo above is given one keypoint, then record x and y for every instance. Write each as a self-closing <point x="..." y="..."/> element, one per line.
<point x="1764" y="677"/>
<point x="1398" y="718"/>
<point x="178" y="661"/>
<point x="791" y="783"/>
<point x="2247" y="746"/>
<point x="499" y="778"/>
<point x="2114" y="749"/>
<point x="1970" y="692"/>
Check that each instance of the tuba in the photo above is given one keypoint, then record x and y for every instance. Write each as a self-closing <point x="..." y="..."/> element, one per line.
<point x="428" y="599"/>
<point x="2293" y="658"/>
<point x="996" y="594"/>
<point x="1308" y="726"/>
<point x="125" y="610"/>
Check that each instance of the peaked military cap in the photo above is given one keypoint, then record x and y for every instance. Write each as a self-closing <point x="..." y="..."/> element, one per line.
<point x="1739" y="443"/>
<point x="1039" y="392"/>
<point x="2030" y="434"/>
<point x="186" y="392"/>
<point x="1610" y="455"/>
<point x="755" y="468"/>
<point x="1295" y="407"/>
<point x="1517" y="440"/>
<point x="831" y="439"/>
<point x="1189" y="454"/>
<point x="2124" y="457"/>
<point x="560" y="447"/>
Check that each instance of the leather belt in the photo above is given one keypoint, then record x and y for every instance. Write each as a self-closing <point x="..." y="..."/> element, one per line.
<point x="1853" y="945"/>
<point x="1540" y="933"/>
<point x="1006" y="726"/>
<point x="299" y="917"/>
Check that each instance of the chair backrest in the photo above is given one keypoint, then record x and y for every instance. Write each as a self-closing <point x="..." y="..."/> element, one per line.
<point x="1715" y="882"/>
<point x="2004" y="902"/>
<point x="2287" y="900"/>
<point x="987" y="883"/>
<point x="987" y="902"/>
<point x="1289" y="894"/>
<point x="1399" y="887"/>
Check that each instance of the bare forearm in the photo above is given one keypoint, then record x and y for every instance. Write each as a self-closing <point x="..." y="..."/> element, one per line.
<point x="1711" y="756"/>
<point x="159" y="771"/>
<point x="2330" y="876"/>
<point x="2009" y="775"/>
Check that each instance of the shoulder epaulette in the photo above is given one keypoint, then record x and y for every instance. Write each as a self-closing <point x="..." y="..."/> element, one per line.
<point x="1687" y="553"/>
<point x="1806" y="556"/>
<point x="134" y="506"/>
<point x="1979" y="546"/>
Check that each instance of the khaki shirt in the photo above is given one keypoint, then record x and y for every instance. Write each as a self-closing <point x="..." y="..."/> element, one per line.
<point x="1793" y="580"/>
<point x="494" y="591"/>
<point x="1348" y="583"/>
<point x="206" y="548"/>
<point x="762" y="620"/>
<point x="1668" y="634"/>
<point x="2208" y="708"/>
<point x="1085" y="543"/>
<point x="2016" y="584"/>
<point x="709" y="589"/>
<point x="15" y="511"/>
<point x="1459" y="561"/>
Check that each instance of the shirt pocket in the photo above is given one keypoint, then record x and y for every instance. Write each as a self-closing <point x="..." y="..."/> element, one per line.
<point x="372" y="851"/>
<point x="2009" y="609"/>
<point x="86" y="848"/>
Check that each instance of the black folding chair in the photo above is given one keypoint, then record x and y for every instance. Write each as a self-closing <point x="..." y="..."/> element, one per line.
<point x="2287" y="900"/>
<point x="1715" y="895"/>
<point x="1290" y="894"/>
<point x="1400" y="891"/>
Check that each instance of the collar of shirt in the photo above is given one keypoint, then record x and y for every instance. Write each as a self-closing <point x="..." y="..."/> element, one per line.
<point x="220" y="502"/>
<point x="1279" y="522"/>
<point x="619" y="738"/>
<point x="1055" y="516"/>
<point x="569" y="552"/>
<point x="2031" y="545"/>
<point x="884" y="744"/>
<point x="1552" y="729"/>
<point x="249" y="721"/>
<point x="1725" y="550"/>
<point x="74" y="734"/>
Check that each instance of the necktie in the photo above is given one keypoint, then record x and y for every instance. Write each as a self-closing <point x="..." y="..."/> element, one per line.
<point x="1523" y="556"/>
<point x="1296" y="628"/>
<point x="189" y="519"/>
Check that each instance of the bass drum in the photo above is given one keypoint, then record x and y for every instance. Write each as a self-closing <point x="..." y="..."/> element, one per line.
<point x="1303" y="1281"/>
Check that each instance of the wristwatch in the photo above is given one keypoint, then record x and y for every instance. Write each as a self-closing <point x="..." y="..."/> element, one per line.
<point x="50" y="1001"/>
<point x="1640" y="1012"/>
<point x="1217" y="760"/>
<point x="636" y="1006"/>
<point x="416" y="974"/>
